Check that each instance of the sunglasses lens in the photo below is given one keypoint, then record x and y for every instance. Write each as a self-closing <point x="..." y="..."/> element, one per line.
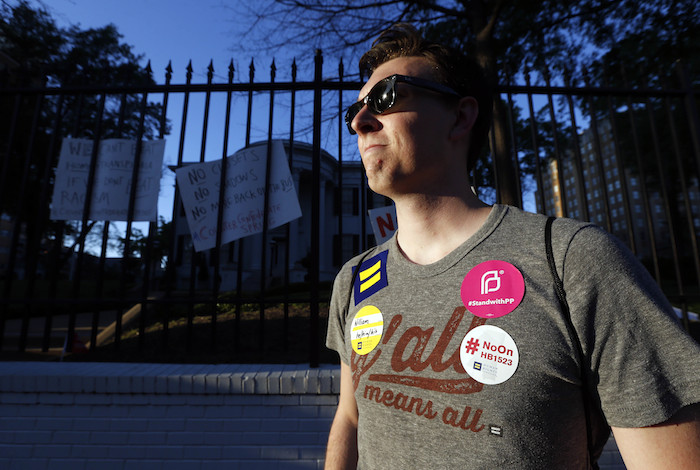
<point x="381" y="97"/>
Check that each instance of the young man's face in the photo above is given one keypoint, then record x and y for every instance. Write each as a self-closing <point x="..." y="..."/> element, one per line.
<point x="403" y="149"/>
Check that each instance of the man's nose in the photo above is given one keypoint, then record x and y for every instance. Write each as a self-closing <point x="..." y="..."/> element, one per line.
<point x="365" y="121"/>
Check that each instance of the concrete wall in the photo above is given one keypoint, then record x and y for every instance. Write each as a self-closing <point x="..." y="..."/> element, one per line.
<point x="84" y="416"/>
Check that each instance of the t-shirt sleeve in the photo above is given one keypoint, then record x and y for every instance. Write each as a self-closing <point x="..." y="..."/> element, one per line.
<point x="335" y="336"/>
<point x="644" y="366"/>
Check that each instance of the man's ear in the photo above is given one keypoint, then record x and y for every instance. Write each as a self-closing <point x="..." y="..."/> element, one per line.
<point x="466" y="114"/>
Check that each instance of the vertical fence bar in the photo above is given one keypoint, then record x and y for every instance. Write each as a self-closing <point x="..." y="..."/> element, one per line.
<point x="162" y="128"/>
<point x="266" y="218"/>
<point x="11" y="133"/>
<point x="580" y="180"/>
<point x="338" y="246"/>
<point x="99" y="290"/>
<point x="665" y="197"/>
<point x="194" y="261"/>
<point x="691" y="109"/>
<point x="558" y="154"/>
<point x="130" y="217"/>
<point x="314" y="269"/>
<point x="45" y="344"/>
<point x="287" y="227"/>
<point x="171" y="269"/>
<point x="644" y="191"/>
<point x="240" y="241"/>
<point x="693" y="117"/>
<point x="202" y="256"/>
<point x="22" y="193"/>
<point x="222" y="193"/>
<point x="688" y="210"/>
<point x="600" y="167"/>
<point x="7" y="287"/>
<point x="536" y="148"/>
<point x="622" y="176"/>
<point x="85" y="227"/>
<point x="514" y="145"/>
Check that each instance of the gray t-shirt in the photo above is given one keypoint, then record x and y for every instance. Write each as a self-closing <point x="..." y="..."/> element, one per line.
<point x="497" y="384"/>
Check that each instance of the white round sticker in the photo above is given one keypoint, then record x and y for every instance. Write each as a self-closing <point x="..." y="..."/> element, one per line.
<point x="489" y="355"/>
<point x="366" y="329"/>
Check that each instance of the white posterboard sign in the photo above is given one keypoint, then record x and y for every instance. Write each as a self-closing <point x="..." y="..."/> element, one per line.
<point x="112" y="181"/>
<point x="383" y="220"/>
<point x="244" y="195"/>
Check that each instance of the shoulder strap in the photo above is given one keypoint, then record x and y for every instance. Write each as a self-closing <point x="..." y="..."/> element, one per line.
<point x="561" y="295"/>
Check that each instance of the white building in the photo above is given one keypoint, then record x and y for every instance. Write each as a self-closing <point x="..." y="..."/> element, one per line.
<point x="351" y="201"/>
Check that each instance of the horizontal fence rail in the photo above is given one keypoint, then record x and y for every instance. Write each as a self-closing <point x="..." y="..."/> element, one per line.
<point x="138" y="290"/>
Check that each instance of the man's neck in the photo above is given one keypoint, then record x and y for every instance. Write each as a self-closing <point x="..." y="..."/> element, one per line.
<point x="431" y="227"/>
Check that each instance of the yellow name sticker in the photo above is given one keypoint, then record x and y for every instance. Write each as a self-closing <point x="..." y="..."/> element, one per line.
<point x="366" y="329"/>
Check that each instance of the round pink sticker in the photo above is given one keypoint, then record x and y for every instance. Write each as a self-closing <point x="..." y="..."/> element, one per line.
<point x="493" y="289"/>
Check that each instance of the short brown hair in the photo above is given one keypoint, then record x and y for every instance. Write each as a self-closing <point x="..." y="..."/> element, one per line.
<point x="452" y="68"/>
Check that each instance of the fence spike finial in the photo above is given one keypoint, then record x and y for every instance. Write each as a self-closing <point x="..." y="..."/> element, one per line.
<point x="273" y="70"/>
<point x="294" y="68"/>
<point x="231" y="69"/>
<point x="169" y="71"/>
<point x="251" y="69"/>
<point x="210" y="70"/>
<point x="189" y="70"/>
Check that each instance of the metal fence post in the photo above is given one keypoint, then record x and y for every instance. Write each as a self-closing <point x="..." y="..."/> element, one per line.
<point x="314" y="274"/>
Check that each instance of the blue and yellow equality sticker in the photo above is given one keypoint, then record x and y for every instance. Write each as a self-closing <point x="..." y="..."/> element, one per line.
<point x="371" y="277"/>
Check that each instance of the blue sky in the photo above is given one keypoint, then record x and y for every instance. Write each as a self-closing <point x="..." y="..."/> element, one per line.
<point x="162" y="30"/>
<point x="180" y="30"/>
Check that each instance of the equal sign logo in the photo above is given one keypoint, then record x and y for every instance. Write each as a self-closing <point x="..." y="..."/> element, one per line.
<point x="495" y="430"/>
<point x="371" y="277"/>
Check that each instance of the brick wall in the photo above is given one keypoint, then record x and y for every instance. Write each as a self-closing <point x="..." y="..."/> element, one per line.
<point x="84" y="416"/>
<point x="157" y="416"/>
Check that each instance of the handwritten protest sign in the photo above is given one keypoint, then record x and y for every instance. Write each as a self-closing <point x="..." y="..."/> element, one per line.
<point x="383" y="220"/>
<point x="244" y="195"/>
<point x="112" y="183"/>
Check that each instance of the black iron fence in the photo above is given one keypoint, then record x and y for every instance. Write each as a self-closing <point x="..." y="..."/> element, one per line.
<point x="135" y="288"/>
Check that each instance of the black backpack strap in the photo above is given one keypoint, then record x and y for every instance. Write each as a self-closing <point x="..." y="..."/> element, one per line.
<point x="561" y="295"/>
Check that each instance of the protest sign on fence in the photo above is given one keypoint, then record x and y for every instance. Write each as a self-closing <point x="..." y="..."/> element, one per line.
<point x="244" y="195"/>
<point x="383" y="220"/>
<point x="112" y="182"/>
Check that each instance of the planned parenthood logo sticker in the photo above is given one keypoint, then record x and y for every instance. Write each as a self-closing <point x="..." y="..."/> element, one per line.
<point x="493" y="289"/>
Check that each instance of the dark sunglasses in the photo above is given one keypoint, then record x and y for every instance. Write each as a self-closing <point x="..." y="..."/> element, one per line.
<point x="382" y="96"/>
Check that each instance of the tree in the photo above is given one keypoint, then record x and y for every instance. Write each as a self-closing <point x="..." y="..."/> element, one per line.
<point x="545" y="35"/>
<point x="32" y="124"/>
<point x="159" y="247"/>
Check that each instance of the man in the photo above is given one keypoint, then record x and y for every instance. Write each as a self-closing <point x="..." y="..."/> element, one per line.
<point x="455" y="351"/>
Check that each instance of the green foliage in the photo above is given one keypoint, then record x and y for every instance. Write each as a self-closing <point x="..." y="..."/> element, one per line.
<point x="642" y="46"/>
